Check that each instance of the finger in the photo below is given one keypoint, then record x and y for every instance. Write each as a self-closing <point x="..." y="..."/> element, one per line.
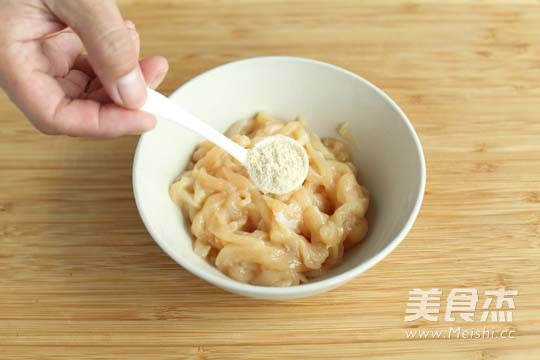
<point x="90" y="118"/>
<point x="74" y="83"/>
<point x="100" y="95"/>
<point x="81" y="62"/>
<point x="37" y="95"/>
<point x="94" y="85"/>
<point x="61" y="49"/>
<point x="43" y="101"/>
<point x="154" y="70"/>
<point x="111" y="51"/>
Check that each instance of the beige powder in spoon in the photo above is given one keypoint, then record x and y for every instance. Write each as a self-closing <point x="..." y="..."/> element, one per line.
<point x="277" y="164"/>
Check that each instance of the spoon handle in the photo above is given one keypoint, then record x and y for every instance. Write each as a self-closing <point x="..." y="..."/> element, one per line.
<point x="160" y="106"/>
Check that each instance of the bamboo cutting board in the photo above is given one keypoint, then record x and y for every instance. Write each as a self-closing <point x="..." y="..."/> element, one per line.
<point x="81" y="278"/>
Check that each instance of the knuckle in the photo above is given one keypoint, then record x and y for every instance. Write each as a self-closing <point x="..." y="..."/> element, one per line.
<point x="117" y="48"/>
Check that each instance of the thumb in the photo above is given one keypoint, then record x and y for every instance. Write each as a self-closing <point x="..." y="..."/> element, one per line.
<point x="111" y="51"/>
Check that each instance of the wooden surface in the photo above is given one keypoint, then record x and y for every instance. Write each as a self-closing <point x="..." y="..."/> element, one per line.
<point x="81" y="278"/>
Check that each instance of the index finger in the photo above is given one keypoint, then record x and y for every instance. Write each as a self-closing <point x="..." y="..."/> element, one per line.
<point x="44" y="102"/>
<point x="90" y="118"/>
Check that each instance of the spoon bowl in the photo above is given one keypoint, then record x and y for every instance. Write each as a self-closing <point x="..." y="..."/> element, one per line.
<point x="277" y="164"/>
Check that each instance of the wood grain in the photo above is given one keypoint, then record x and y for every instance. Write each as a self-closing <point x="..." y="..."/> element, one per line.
<point x="81" y="278"/>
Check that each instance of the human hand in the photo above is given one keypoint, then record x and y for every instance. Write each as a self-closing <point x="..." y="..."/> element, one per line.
<point x="60" y="88"/>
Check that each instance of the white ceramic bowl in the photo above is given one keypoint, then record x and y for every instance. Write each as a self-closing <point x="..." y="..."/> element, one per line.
<point x="387" y="153"/>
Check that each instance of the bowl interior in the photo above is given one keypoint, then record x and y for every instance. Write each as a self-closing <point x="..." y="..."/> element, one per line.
<point x="385" y="147"/>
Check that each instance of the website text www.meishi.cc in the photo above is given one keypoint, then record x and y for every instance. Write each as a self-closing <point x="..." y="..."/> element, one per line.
<point x="458" y="332"/>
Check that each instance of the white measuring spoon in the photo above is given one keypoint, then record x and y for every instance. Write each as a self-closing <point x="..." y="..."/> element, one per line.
<point x="160" y="106"/>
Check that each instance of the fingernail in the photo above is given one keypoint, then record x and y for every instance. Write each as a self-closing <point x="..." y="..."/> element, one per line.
<point x="131" y="89"/>
<point x="157" y="80"/>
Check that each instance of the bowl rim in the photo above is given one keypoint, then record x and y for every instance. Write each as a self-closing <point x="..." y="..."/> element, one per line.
<point x="311" y="287"/>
